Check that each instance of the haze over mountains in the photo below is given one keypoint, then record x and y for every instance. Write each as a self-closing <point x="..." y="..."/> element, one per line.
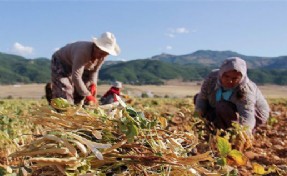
<point x="154" y="70"/>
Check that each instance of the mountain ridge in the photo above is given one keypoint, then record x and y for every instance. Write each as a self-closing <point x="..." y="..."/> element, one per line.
<point x="154" y="70"/>
<point x="215" y="58"/>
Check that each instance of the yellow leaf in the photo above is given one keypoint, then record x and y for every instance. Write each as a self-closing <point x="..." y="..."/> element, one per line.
<point x="237" y="158"/>
<point x="163" y="122"/>
<point x="258" y="169"/>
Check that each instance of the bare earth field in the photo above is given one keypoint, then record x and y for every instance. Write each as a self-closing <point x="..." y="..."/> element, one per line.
<point x="171" y="89"/>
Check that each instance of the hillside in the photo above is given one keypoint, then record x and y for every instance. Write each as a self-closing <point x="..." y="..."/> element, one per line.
<point x="215" y="58"/>
<point x="154" y="70"/>
<point x="147" y="71"/>
<point x="17" y="69"/>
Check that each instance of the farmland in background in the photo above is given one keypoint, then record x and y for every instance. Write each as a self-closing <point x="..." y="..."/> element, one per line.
<point x="171" y="89"/>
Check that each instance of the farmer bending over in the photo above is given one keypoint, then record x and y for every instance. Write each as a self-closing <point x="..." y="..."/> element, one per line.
<point x="75" y="68"/>
<point x="228" y="95"/>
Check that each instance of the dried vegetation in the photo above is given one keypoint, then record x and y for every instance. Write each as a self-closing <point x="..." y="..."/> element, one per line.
<point x="145" y="137"/>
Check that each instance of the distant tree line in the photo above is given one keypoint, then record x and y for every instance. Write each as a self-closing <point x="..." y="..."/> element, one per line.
<point x="15" y="69"/>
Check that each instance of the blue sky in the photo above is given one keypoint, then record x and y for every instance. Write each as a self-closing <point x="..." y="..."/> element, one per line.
<point x="145" y="28"/>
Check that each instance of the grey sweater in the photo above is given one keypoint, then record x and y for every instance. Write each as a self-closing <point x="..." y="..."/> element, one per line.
<point x="252" y="106"/>
<point x="77" y="57"/>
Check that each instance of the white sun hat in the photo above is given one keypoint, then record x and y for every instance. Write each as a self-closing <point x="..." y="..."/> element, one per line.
<point x="117" y="84"/>
<point x="107" y="42"/>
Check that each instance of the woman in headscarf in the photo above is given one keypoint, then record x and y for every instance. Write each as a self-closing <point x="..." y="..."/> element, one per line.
<point x="227" y="95"/>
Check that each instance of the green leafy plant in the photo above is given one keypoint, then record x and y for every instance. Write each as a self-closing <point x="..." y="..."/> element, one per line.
<point x="132" y="122"/>
<point x="60" y="103"/>
<point x="228" y="155"/>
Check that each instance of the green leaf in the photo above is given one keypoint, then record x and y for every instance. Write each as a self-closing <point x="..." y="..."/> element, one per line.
<point x="272" y="121"/>
<point x="223" y="146"/>
<point x="2" y="171"/>
<point x="131" y="111"/>
<point x="221" y="161"/>
<point x="234" y="172"/>
<point x="132" y="132"/>
<point x="60" y="103"/>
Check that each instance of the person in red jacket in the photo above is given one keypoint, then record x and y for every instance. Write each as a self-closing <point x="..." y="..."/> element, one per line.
<point x="110" y="95"/>
<point x="75" y="68"/>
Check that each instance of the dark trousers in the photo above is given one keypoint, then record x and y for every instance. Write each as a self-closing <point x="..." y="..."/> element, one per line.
<point x="222" y="115"/>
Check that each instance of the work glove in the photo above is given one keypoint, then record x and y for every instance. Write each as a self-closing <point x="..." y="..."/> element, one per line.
<point x="91" y="100"/>
<point x="93" y="89"/>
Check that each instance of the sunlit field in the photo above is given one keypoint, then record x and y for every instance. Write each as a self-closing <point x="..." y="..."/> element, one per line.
<point x="144" y="136"/>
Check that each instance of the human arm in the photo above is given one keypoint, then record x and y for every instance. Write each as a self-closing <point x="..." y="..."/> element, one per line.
<point x="94" y="74"/>
<point x="82" y="89"/>
<point x="201" y="105"/>
<point x="207" y="91"/>
<point x="80" y="59"/>
<point x="246" y="111"/>
<point x="262" y="109"/>
<point x="246" y="105"/>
